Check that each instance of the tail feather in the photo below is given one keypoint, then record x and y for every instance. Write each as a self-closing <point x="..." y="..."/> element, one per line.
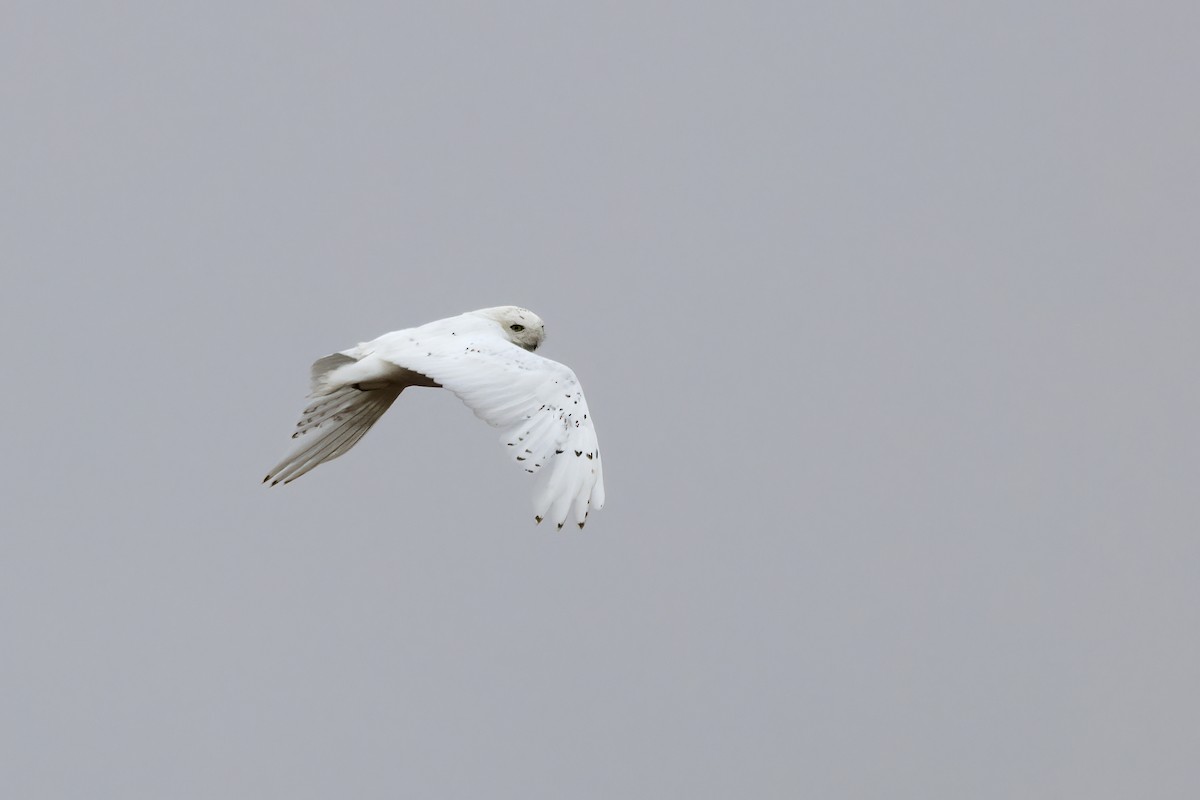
<point x="325" y="365"/>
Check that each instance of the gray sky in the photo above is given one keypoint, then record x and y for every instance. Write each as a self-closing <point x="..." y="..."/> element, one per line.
<point x="887" y="315"/>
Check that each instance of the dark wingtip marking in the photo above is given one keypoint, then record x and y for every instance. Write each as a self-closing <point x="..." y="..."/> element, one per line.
<point x="560" y="526"/>
<point x="589" y="456"/>
<point x="537" y="520"/>
<point x="558" y="452"/>
<point x="266" y="479"/>
<point x="578" y="453"/>
<point x="581" y="526"/>
<point x="520" y="458"/>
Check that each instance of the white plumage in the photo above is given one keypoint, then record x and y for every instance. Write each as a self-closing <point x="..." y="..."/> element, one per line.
<point x="486" y="358"/>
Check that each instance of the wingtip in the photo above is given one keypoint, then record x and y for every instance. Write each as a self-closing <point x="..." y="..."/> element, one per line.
<point x="537" y="520"/>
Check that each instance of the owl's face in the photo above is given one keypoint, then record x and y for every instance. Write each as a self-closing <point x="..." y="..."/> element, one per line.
<point x="522" y="327"/>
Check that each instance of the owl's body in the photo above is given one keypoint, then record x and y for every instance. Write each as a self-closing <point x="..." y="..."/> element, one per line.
<point x="487" y="359"/>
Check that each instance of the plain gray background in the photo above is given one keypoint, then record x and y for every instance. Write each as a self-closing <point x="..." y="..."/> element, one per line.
<point x="887" y="314"/>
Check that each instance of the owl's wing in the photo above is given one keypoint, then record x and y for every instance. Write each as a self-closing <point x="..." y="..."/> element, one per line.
<point x="537" y="404"/>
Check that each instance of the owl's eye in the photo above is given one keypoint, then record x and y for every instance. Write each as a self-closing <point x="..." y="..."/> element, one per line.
<point x="517" y="328"/>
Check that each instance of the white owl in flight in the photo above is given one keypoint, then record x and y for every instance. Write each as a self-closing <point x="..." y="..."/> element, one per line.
<point x="487" y="359"/>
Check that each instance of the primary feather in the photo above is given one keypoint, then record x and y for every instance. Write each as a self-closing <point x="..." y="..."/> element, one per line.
<point x="487" y="359"/>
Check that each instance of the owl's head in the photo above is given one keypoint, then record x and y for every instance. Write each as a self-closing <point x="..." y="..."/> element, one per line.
<point x="521" y="326"/>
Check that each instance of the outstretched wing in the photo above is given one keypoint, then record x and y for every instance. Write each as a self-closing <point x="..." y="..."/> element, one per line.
<point x="537" y="404"/>
<point x="335" y="420"/>
<point x="330" y="426"/>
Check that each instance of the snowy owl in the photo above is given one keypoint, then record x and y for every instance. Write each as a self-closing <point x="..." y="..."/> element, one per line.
<point x="487" y="359"/>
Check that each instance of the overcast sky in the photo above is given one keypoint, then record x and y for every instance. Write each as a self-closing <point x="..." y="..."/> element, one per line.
<point x="887" y="315"/>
